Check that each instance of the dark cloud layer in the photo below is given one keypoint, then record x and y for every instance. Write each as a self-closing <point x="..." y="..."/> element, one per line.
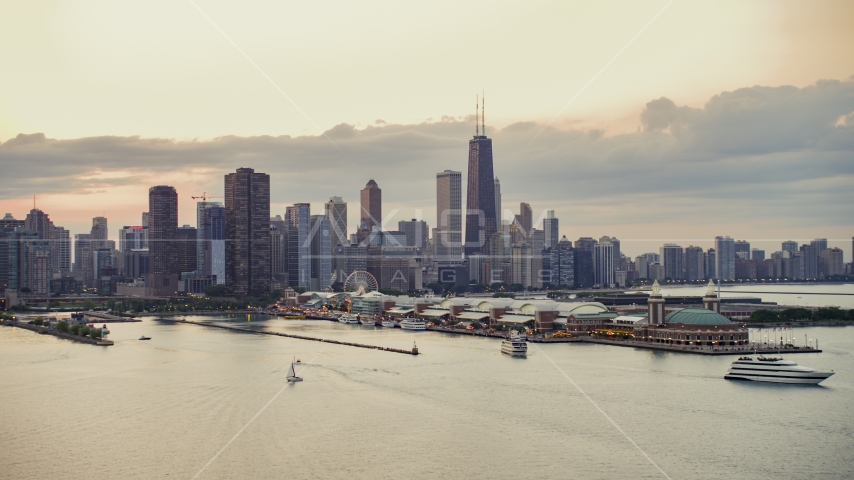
<point x="783" y="153"/>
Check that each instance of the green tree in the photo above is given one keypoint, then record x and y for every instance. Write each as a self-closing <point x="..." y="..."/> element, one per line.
<point x="84" y="331"/>
<point x="38" y="321"/>
<point x="829" y="313"/>
<point x="215" y="290"/>
<point x="764" y="316"/>
<point x="794" y="314"/>
<point x="75" y="329"/>
<point x="95" y="333"/>
<point x="62" y="326"/>
<point x="503" y="295"/>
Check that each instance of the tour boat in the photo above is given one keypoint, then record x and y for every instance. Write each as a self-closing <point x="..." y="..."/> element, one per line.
<point x="388" y="323"/>
<point x="144" y="338"/>
<point x="292" y="375"/>
<point x="515" y="346"/>
<point x="368" y="321"/>
<point x="413" y="324"/>
<point x="349" y="319"/>
<point x="773" y="369"/>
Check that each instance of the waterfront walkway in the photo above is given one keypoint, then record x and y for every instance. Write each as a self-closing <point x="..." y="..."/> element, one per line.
<point x="414" y="350"/>
<point x="67" y="336"/>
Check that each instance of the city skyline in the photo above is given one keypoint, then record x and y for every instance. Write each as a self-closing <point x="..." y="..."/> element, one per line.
<point x="786" y="197"/>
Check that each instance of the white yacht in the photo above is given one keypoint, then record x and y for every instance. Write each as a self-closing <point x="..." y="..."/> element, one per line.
<point x="349" y="319"/>
<point x="515" y="346"/>
<point x="368" y="321"/>
<point x="389" y="323"/>
<point x="773" y="369"/>
<point x="413" y="324"/>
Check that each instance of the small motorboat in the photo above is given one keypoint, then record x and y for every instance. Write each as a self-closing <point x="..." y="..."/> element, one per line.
<point x="292" y="375"/>
<point x="144" y="338"/>
<point x="299" y="361"/>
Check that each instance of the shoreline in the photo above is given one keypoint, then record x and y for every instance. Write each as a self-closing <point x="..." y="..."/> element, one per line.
<point x="66" y="336"/>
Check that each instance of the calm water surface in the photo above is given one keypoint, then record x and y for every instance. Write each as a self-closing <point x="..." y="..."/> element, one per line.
<point x="808" y="295"/>
<point x="165" y="407"/>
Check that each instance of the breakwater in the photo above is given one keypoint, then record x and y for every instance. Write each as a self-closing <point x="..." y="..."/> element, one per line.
<point x="414" y="351"/>
<point x="67" y="336"/>
<point x="198" y="312"/>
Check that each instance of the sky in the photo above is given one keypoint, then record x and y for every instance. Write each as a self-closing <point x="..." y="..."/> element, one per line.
<point x="659" y="121"/>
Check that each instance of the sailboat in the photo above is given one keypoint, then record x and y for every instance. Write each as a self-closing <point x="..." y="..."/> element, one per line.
<point x="292" y="375"/>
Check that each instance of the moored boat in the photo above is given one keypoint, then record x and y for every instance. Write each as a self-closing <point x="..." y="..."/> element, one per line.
<point x="773" y="370"/>
<point x="349" y="319"/>
<point x="413" y="324"/>
<point x="388" y="323"/>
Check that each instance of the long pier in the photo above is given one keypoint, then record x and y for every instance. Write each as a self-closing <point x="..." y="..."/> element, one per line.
<point x="696" y="350"/>
<point x="414" y="351"/>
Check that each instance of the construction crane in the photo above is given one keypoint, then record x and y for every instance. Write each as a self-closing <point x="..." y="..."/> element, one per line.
<point x="205" y="197"/>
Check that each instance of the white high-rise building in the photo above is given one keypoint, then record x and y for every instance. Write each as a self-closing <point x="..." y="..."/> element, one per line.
<point x="603" y="263"/>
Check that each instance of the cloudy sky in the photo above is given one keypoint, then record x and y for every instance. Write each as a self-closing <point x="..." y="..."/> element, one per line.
<point x="650" y="121"/>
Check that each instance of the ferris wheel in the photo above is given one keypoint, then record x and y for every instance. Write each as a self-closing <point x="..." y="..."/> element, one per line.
<point x="360" y="282"/>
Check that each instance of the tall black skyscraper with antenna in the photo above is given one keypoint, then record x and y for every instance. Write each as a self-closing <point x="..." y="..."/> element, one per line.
<point x="480" y="201"/>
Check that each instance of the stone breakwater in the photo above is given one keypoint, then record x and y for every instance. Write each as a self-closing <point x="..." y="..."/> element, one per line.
<point x="414" y="351"/>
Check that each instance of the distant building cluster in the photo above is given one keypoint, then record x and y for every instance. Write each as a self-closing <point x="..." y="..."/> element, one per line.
<point x="239" y="243"/>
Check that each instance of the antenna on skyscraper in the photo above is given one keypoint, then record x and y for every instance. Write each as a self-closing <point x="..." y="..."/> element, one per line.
<point x="476" y="125"/>
<point x="483" y="112"/>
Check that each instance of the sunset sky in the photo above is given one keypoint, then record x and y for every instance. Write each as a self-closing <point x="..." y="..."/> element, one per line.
<point x="649" y="121"/>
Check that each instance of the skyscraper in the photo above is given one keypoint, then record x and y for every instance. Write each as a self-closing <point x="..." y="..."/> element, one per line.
<point x="82" y="256"/>
<point x="790" y="246"/>
<point x="99" y="233"/>
<point x="298" y="219"/>
<point x="584" y="277"/>
<point x="449" y="220"/>
<point x="724" y="258"/>
<point x="371" y="213"/>
<point x="742" y="249"/>
<point x="416" y="232"/>
<point x="57" y="237"/>
<point x="480" y="201"/>
<point x="336" y="212"/>
<point x="550" y="229"/>
<point x="214" y="243"/>
<point x="248" y="268"/>
<point x="694" y="263"/>
<point x="526" y="219"/>
<point x="186" y="249"/>
<point x="201" y="235"/>
<point x="321" y="252"/>
<point x="562" y="269"/>
<point x="497" y="204"/>
<point x="162" y="234"/>
<point x="279" y="247"/>
<point x="603" y="254"/>
<point x="674" y="261"/>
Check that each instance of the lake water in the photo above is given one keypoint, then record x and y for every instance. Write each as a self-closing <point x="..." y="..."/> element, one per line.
<point x="808" y="295"/>
<point x="164" y="408"/>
